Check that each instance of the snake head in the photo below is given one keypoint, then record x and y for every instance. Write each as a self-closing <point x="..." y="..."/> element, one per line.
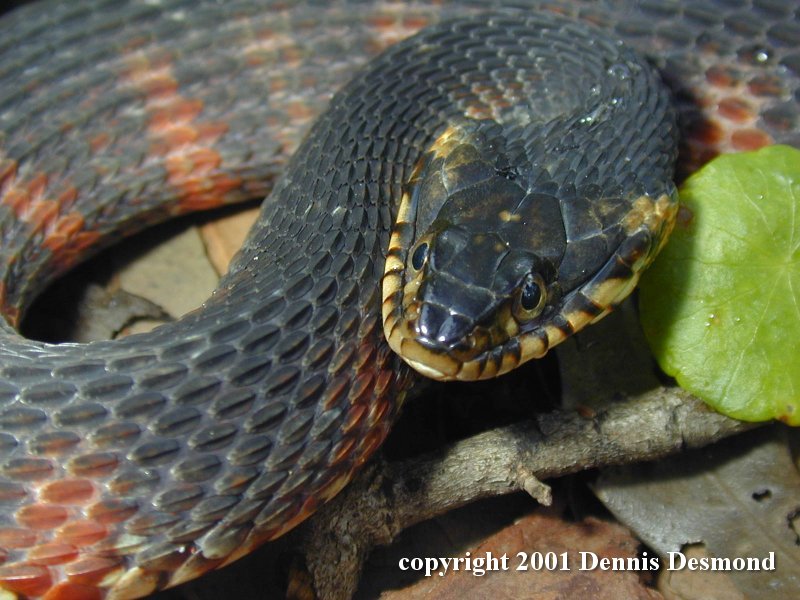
<point x="486" y="267"/>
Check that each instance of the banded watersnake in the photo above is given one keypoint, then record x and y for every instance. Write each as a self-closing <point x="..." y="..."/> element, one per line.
<point x="132" y="465"/>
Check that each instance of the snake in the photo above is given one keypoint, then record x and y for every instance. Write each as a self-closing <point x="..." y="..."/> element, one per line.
<point x="453" y="189"/>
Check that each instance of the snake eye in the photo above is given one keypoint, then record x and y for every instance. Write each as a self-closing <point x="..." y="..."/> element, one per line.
<point x="530" y="298"/>
<point x="420" y="256"/>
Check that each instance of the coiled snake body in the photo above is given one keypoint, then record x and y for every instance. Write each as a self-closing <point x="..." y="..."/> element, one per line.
<point x="132" y="465"/>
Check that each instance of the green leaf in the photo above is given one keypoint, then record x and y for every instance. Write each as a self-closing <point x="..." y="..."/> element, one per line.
<point x="721" y="305"/>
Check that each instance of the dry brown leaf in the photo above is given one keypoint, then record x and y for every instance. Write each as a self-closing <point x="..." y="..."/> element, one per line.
<point x="542" y="532"/>
<point x="174" y="274"/>
<point x="738" y="498"/>
<point x="224" y="236"/>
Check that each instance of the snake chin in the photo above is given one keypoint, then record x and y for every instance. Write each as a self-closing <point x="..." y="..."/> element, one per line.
<point x="449" y="364"/>
<point x="425" y="370"/>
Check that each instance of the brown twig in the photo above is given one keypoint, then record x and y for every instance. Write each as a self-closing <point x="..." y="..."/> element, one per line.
<point x="389" y="497"/>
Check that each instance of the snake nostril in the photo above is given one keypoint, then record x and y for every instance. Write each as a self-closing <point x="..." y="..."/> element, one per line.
<point x="429" y="321"/>
<point x="437" y="326"/>
<point x="454" y="330"/>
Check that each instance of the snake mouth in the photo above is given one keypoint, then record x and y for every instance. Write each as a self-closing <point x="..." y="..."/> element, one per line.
<point x="474" y="352"/>
<point x="449" y="364"/>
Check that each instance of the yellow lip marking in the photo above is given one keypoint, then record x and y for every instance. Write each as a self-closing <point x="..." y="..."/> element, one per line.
<point x="434" y="361"/>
